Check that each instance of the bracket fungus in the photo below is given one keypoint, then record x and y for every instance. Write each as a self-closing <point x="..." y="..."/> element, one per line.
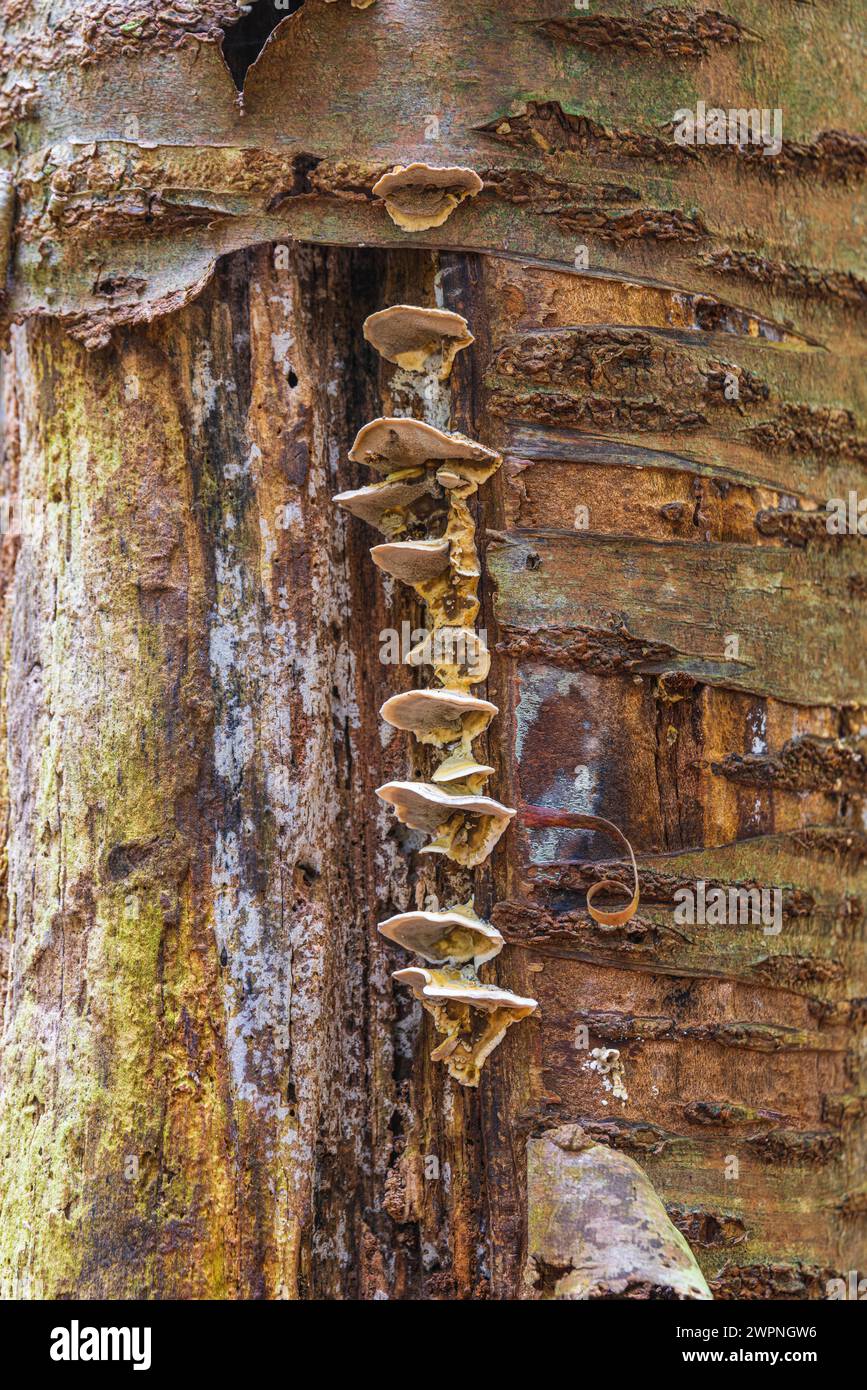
<point x="418" y="340"/>
<point x="455" y="937"/>
<point x="421" y="508"/>
<point x="421" y="196"/>
<point x="458" y="655"/>
<point x="461" y="766"/>
<point x="439" y="716"/>
<point x="393" y="444"/>
<point x="414" y="562"/>
<point x="395" y="508"/>
<point x="472" y="1017"/>
<point x="465" y="826"/>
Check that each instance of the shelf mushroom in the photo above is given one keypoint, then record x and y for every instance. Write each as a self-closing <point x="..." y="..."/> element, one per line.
<point x="439" y="716"/>
<point x="413" y="562"/>
<point x="393" y="444"/>
<point x="465" y="827"/>
<point x="445" y="718"/>
<point x="421" y="196"/>
<point x="418" y="340"/>
<point x="395" y="508"/>
<point x="454" y="937"/>
<point x="471" y="1016"/>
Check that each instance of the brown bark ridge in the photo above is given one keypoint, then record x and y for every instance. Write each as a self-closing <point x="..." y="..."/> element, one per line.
<point x="210" y="1087"/>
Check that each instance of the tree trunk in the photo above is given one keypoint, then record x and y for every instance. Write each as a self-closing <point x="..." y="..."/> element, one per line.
<point x="211" y="1086"/>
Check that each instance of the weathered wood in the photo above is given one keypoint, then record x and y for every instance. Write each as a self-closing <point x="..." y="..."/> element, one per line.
<point x="574" y="142"/>
<point x="611" y="640"/>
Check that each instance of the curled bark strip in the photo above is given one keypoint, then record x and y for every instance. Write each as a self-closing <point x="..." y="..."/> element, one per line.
<point x="539" y="817"/>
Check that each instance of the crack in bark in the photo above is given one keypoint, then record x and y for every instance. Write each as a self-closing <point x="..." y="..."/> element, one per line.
<point x="562" y="201"/>
<point x="674" y="33"/>
<point x="834" y="155"/>
<point x="773" y="1281"/>
<point x="708" y="1229"/>
<point x="805" y="281"/>
<point x="592" y="649"/>
<point x="806" y="429"/>
<point x="794" y="526"/>
<point x="808" y="763"/>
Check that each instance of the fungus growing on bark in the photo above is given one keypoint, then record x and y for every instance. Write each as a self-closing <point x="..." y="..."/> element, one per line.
<point x="430" y="474"/>
<point x="454" y="937"/>
<point x="392" y="444"/>
<point x="458" y="655"/>
<point x="394" y="508"/>
<point x="414" y="562"/>
<point x="443" y="569"/>
<point x="465" y="826"/>
<point x="418" y="340"/>
<point x="472" y="1017"/>
<point x="461" y="766"/>
<point x="439" y="716"/>
<point x="420" y="196"/>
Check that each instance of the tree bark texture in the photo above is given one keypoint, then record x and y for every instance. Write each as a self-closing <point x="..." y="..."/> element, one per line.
<point x="210" y="1085"/>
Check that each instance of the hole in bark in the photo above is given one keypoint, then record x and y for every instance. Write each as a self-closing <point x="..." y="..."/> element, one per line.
<point x="245" y="40"/>
<point x="292" y="378"/>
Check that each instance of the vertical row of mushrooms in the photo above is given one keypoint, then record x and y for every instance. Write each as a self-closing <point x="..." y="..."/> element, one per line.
<point x="420" y="507"/>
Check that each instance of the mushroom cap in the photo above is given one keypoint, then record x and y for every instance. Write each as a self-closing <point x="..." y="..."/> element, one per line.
<point x="420" y="196"/>
<point x="392" y="442"/>
<point x="414" y="562"/>
<point x="461" y="766"/>
<point x="377" y="500"/>
<point x="430" y="711"/>
<point x="410" y="336"/>
<point x="419" y="175"/>
<point x="442" y="987"/>
<point x="422" y="932"/>
<point x="422" y="806"/>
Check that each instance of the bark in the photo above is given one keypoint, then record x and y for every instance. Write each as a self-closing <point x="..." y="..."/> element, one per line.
<point x="210" y="1085"/>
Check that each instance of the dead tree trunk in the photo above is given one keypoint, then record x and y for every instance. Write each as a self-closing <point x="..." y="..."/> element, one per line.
<point x="211" y="1086"/>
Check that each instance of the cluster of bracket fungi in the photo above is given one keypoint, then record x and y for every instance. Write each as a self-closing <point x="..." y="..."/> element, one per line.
<point x="420" y="506"/>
